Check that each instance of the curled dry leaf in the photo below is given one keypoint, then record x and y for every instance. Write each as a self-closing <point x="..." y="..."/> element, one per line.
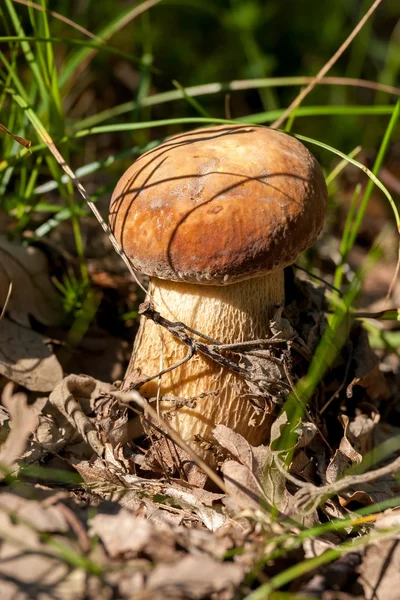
<point x="354" y="443"/>
<point x="64" y="417"/>
<point x="254" y="480"/>
<point x="361" y="431"/>
<point x="344" y="457"/>
<point x="32" y="293"/>
<point x="25" y="358"/>
<point x="366" y="369"/>
<point x="369" y="493"/>
<point x="23" y="423"/>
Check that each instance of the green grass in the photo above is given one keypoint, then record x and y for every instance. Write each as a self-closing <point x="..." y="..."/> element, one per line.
<point x="37" y="85"/>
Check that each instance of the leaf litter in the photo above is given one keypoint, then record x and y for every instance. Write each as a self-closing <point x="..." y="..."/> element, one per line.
<point x="134" y="529"/>
<point x="26" y="356"/>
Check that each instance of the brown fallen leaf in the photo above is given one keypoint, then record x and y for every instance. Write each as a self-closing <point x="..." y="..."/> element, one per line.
<point x="125" y="535"/>
<point x="366" y="369"/>
<point x="254" y="480"/>
<point x="32" y="293"/>
<point x="64" y="419"/>
<point x="23" y="423"/>
<point x="192" y="578"/>
<point x="29" y="567"/>
<point x="26" y="359"/>
<point x="380" y="570"/>
<point x="361" y="431"/>
<point x="107" y="479"/>
<point x="344" y="457"/>
<point x="369" y="493"/>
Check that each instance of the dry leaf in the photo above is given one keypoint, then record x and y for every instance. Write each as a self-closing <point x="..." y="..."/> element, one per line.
<point x="30" y="568"/>
<point x="64" y="417"/>
<point x="367" y="373"/>
<point x="26" y="359"/>
<point x="254" y="478"/>
<point x="369" y="493"/>
<point x="361" y="430"/>
<point x="23" y="423"/>
<point x="24" y="142"/>
<point x="380" y="570"/>
<point x="192" y="578"/>
<point x="344" y="457"/>
<point x="32" y="293"/>
<point x="108" y="480"/>
<point x="125" y="535"/>
<point x="389" y="519"/>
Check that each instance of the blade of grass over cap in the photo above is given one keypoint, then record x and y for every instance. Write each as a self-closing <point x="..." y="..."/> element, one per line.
<point x="354" y="162"/>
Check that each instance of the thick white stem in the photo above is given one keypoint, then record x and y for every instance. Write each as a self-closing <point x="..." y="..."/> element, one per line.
<point x="229" y="314"/>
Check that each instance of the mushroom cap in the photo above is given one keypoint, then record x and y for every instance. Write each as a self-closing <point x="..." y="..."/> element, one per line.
<point x="219" y="205"/>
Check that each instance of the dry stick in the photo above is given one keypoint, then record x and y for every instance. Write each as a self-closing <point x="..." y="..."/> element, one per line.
<point x="127" y="19"/>
<point x="10" y="287"/>
<point x="348" y="481"/>
<point x="179" y="330"/>
<point x="60" y="17"/>
<point x="394" y="280"/>
<point x="326" y="67"/>
<point x="341" y="386"/>
<point x="59" y="158"/>
<point x="134" y="396"/>
<point x="309" y="492"/>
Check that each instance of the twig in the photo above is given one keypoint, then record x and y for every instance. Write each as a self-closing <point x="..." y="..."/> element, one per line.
<point x="309" y="493"/>
<point x="341" y="386"/>
<point x="324" y="281"/>
<point x="180" y="331"/>
<point x="46" y="138"/>
<point x="60" y="17"/>
<point x="134" y="396"/>
<point x="10" y="287"/>
<point x="326" y="67"/>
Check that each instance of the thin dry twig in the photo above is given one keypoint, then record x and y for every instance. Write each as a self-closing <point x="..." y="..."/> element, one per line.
<point x="7" y="300"/>
<point x="45" y="137"/>
<point x="135" y="396"/>
<point x="341" y="386"/>
<point x="326" y="67"/>
<point x="132" y="14"/>
<point x="213" y="351"/>
<point x="394" y="279"/>
<point x="309" y="496"/>
<point x="60" y="17"/>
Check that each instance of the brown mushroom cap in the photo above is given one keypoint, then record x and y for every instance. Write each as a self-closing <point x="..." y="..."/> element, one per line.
<point x="219" y="205"/>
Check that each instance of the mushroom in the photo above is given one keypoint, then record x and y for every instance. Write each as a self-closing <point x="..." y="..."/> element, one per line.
<point x="214" y="216"/>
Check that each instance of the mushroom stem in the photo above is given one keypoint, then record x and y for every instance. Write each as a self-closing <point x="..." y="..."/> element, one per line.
<point x="230" y="314"/>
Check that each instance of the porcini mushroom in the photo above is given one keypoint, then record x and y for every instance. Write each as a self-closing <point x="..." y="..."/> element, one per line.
<point x="214" y="216"/>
